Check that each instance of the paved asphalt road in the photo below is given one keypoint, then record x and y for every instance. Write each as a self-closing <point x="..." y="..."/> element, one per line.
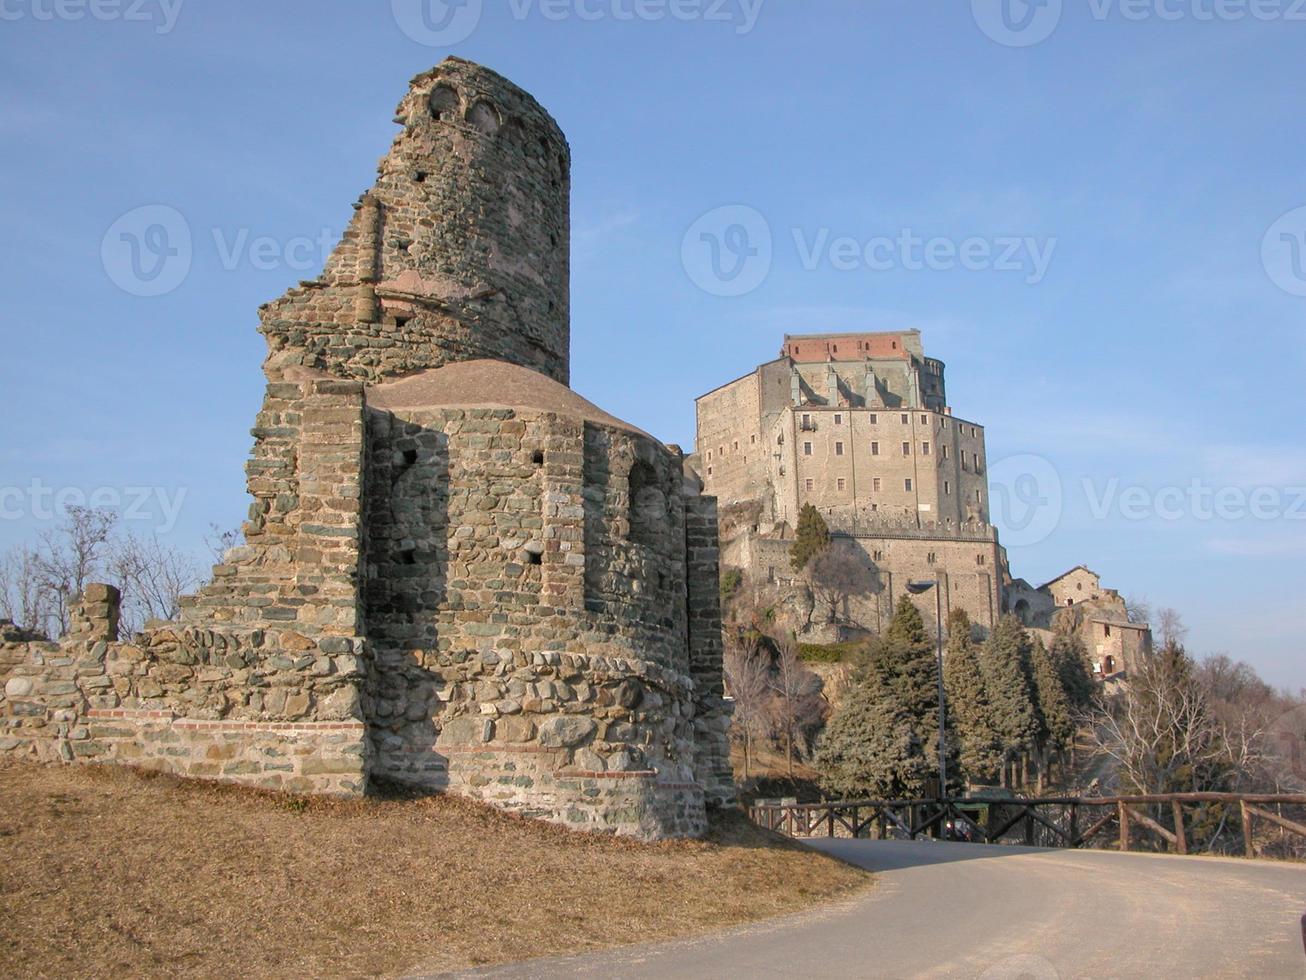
<point x="969" y="910"/>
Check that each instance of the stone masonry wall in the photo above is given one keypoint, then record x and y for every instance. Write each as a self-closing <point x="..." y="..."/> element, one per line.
<point x="526" y="608"/>
<point x="460" y="251"/>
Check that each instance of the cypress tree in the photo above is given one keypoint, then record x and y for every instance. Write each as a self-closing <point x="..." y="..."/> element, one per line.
<point x="1004" y="678"/>
<point x="1070" y="660"/>
<point x="904" y="658"/>
<point x="1056" y="723"/>
<point x="812" y="538"/>
<point x="970" y="714"/>
<point x="869" y="748"/>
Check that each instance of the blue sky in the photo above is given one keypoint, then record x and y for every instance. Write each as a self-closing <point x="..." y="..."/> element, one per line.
<point x="1146" y="149"/>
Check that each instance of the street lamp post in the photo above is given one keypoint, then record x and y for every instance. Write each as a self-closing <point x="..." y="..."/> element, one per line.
<point x="919" y="588"/>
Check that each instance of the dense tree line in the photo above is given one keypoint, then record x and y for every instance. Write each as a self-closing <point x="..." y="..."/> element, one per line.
<point x="1010" y="709"/>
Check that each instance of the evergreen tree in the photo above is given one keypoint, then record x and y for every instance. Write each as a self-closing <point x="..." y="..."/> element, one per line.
<point x="870" y="747"/>
<point x="1001" y="663"/>
<point x="813" y="537"/>
<point x="970" y="714"/>
<point x="904" y="658"/>
<point x="1070" y="660"/>
<point x="1056" y="724"/>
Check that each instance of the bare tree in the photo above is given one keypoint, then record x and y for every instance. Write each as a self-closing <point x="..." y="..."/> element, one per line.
<point x="1161" y="733"/>
<point x="219" y="541"/>
<point x="23" y="599"/>
<point x="1171" y="624"/>
<point x="1138" y="609"/>
<point x="796" y="707"/>
<point x="835" y="577"/>
<point x="153" y="577"/>
<point x="747" y="677"/>
<point x="69" y="557"/>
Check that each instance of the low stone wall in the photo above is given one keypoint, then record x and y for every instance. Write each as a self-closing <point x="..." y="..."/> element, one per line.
<point x="269" y="709"/>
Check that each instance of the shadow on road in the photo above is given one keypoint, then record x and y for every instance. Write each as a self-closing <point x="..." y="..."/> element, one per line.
<point x="892" y="855"/>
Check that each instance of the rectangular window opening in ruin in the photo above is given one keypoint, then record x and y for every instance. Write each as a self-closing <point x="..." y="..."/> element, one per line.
<point x="904" y="419"/>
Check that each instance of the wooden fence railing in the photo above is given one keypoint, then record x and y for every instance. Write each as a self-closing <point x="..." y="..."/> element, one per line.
<point x="1042" y="821"/>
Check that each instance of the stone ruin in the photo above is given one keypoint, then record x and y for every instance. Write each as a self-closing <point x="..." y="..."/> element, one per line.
<point x="457" y="573"/>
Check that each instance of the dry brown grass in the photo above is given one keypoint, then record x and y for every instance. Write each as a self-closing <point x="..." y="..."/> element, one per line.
<point x="106" y="872"/>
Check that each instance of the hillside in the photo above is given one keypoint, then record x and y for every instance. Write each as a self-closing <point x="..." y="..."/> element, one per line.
<point x="109" y="872"/>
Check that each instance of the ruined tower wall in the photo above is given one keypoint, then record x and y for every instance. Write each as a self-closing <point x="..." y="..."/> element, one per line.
<point x="459" y="252"/>
<point x="527" y="617"/>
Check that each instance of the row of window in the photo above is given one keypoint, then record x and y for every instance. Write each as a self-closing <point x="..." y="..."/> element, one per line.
<point x="932" y="558"/>
<point x="840" y="484"/>
<point x="904" y="418"/>
<point x="906" y="451"/>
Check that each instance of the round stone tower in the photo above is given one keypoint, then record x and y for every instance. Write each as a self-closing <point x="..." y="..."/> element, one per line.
<point x="460" y="250"/>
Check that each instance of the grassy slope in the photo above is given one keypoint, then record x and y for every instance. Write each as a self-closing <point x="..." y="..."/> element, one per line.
<point x="108" y="872"/>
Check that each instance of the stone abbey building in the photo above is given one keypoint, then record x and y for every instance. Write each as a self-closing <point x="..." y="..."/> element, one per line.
<point x="857" y="424"/>
<point x="457" y="573"/>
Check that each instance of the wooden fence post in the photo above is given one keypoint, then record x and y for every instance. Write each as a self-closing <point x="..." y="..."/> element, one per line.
<point x="1074" y="826"/>
<point x="1247" y="829"/>
<point x="1180" y="839"/>
<point x="1123" y="813"/>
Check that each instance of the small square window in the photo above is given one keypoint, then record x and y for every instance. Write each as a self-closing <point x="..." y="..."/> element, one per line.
<point x="810" y="484"/>
<point x="925" y="420"/>
<point x="904" y="419"/>
<point x="875" y="419"/>
<point x="840" y="483"/>
<point x="906" y="484"/>
<point x="838" y="419"/>
<point x="906" y="448"/>
<point x="807" y="449"/>
<point x="875" y="484"/>
<point x="925" y="448"/>
<point x="875" y="449"/>
<point x="838" y="448"/>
